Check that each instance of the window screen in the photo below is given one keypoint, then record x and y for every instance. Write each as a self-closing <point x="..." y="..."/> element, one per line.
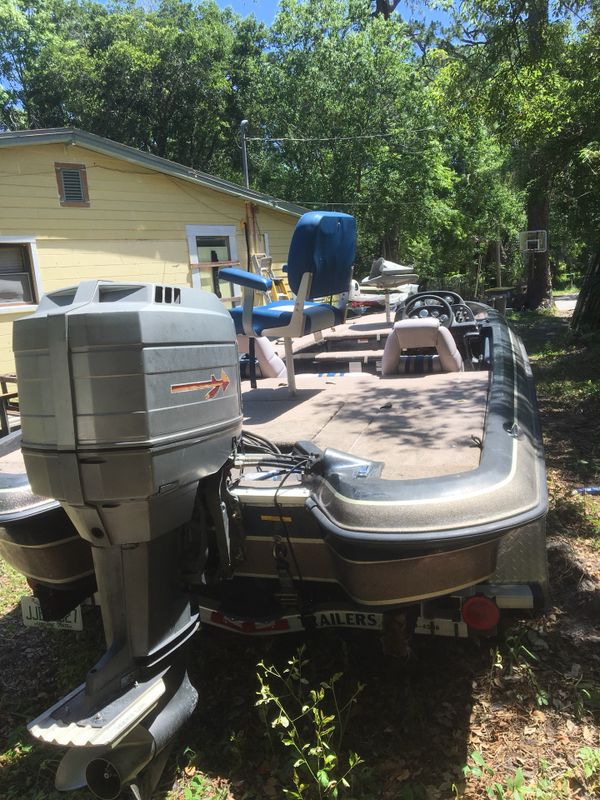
<point x="15" y="275"/>
<point x="213" y="248"/>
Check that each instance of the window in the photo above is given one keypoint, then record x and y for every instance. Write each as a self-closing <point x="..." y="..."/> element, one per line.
<point x="19" y="285"/>
<point x="211" y="247"/>
<point x="214" y="250"/>
<point x="72" y="185"/>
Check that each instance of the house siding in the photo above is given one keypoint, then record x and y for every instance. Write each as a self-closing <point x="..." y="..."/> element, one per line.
<point x="134" y="228"/>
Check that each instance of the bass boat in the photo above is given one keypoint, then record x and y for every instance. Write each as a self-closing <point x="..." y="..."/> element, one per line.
<point x="397" y="471"/>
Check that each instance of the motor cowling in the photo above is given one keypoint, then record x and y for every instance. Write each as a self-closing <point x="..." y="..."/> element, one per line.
<point x="129" y="395"/>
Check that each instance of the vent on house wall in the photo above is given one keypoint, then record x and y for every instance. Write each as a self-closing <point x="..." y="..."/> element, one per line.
<point x="72" y="184"/>
<point x="72" y="188"/>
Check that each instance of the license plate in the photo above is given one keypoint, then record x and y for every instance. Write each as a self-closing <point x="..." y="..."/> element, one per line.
<point x="32" y="616"/>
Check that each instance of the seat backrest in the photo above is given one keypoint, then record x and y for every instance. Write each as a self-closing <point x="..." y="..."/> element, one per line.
<point x="380" y="266"/>
<point x="324" y="244"/>
<point x="412" y="334"/>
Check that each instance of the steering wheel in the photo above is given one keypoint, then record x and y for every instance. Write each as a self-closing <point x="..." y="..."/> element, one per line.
<point x="462" y="313"/>
<point x="428" y="305"/>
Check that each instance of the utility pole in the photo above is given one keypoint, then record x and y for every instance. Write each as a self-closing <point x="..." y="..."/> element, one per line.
<point x="498" y="262"/>
<point x="243" y="126"/>
<point x="251" y="233"/>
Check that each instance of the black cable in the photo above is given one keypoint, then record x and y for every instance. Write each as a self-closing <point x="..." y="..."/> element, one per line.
<point x="279" y="509"/>
<point x="257" y="440"/>
<point x="285" y="465"/>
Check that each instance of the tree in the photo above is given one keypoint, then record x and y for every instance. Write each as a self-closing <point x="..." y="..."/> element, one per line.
<point x="39" y="55"/>
<point x="586" y="316"/>
<point x="348" y="124"/>
<point x="515" y="56"/>
<point x="158" y="80"/>
<point x="487" y="206"/>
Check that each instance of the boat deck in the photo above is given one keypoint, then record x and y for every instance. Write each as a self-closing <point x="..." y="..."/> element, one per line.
<point x="370" y="328"/>
<point x="418" y="425"/>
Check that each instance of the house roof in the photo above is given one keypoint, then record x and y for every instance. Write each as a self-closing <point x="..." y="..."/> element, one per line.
<point x="109" y="148"/>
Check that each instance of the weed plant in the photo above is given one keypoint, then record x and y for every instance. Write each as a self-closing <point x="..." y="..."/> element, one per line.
<point x="312" y="723"/>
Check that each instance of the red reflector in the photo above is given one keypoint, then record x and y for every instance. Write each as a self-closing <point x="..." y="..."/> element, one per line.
<point x="480" y="613"/>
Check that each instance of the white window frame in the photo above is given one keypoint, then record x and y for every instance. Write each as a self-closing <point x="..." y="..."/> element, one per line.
<point x="192" y="231"/>
<point x="36" y="281"/>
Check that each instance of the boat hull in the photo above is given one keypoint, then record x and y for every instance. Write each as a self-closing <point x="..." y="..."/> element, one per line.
<point x="375" y="574"/>
<point x="46" y="548"/>
<point x="37" y="537"/>
<point x="369" y="583"/>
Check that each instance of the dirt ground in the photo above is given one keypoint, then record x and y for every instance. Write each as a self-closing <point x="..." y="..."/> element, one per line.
<point x="507" y="718"/>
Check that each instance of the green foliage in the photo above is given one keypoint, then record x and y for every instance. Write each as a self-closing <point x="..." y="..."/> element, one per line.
<point x="333" y="75"/>
<point x="311" y="722"/>
<point x="201" y="788"/>
<point x="542" y="787"/>
<point x="438" y="143"/>
<point x="155" y="79"/>
<point x="522" y="660"/>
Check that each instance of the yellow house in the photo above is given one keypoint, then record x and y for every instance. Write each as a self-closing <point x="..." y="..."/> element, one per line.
<point x="74" y="206"/>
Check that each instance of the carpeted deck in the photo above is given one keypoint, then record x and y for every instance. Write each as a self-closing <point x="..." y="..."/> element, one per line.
<point x="419" y="425"/>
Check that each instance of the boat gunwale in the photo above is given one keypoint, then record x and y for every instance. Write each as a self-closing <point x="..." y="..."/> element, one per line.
<point x="505" y="459"/>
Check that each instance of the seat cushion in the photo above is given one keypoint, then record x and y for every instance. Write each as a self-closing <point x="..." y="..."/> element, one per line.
<point x="317" y="316"/>
<point x="419" y="365"/>
<point x="411" y="334"/>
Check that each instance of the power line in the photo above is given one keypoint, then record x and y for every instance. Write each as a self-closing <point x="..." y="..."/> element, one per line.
<point x="331" y="138"/>
<point x="356" y="203"/>
<point x="319" y="138"/>
<point x="319" y="203"/>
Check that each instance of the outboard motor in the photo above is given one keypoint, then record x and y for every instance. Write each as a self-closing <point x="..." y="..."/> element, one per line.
<point x="131" y="410"/>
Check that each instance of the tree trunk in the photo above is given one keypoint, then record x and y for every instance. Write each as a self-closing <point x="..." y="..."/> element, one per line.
<point x="385" y="7"/>
<point x="586" y="316"/>
<point x="539" y="280"/>
<point x="537" y="24"/>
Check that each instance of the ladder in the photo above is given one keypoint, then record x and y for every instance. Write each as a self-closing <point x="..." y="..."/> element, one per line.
<point x="262" y="264"/>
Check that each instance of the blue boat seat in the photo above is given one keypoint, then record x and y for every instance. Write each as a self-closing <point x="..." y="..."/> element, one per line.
<point x="316" y="316"/>
<point x="319" y="266"/>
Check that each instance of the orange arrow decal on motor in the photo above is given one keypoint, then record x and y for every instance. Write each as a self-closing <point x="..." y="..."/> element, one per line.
<point x="213" y="386"/>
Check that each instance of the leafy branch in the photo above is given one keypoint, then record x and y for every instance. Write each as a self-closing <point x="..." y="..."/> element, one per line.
<point x="303" y="723"/>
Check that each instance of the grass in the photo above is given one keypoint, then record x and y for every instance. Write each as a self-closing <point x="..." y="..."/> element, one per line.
<point x="575" y="516"/>
<point x="12" y="587"/>
<point x="33" y="674"/>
